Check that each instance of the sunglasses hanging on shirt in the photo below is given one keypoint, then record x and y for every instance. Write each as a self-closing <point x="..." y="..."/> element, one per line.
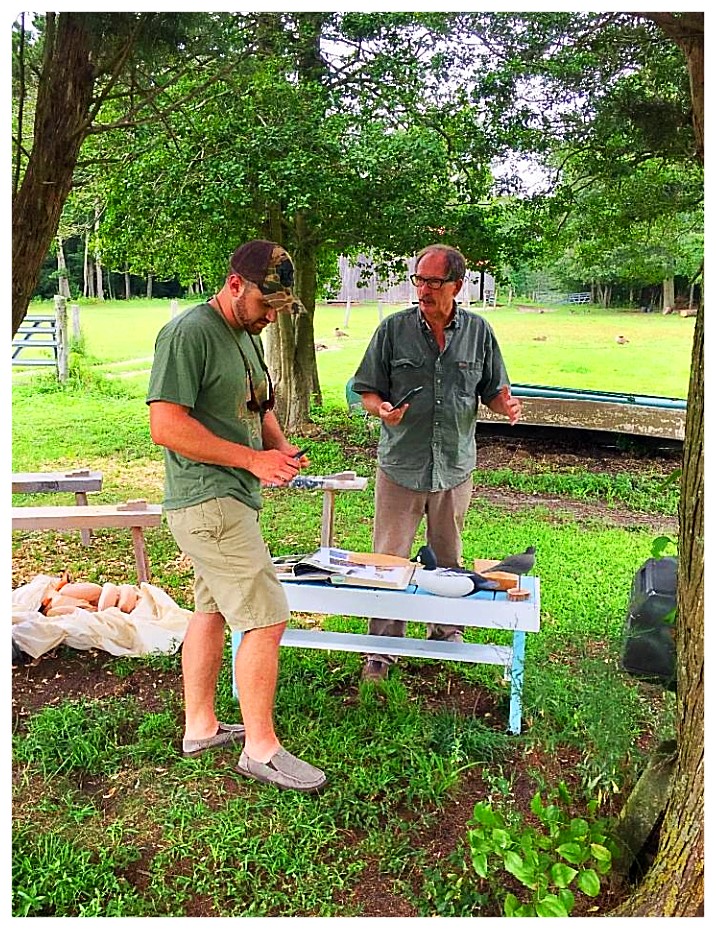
<point x="253" y="404"/>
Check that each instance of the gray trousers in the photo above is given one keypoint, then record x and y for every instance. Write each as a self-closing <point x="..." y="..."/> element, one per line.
<point x="398" y="514"/>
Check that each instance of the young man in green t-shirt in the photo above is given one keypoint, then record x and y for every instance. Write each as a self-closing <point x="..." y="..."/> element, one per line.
<point x="211" y="408"/>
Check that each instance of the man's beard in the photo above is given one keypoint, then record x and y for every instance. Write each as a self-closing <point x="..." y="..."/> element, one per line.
<point x="238" y="311"/>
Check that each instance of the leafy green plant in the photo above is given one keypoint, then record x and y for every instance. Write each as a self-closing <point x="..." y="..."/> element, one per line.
<point x="562" y="856"/>
<point x="451" y="891"/>
<point x="663" y="545"/>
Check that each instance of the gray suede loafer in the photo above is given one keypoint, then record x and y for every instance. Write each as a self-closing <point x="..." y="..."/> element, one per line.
<point x="228" y="734"/>
<point x="283" y="770"/>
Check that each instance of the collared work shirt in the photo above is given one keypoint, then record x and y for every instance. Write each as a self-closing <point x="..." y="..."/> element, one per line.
<point x="433" y="447"/>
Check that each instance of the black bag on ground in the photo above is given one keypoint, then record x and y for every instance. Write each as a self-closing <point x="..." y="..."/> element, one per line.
<point x="648" y="650"/>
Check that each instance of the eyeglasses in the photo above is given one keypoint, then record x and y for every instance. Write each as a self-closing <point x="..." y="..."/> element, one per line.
<point x="434" y="283"/>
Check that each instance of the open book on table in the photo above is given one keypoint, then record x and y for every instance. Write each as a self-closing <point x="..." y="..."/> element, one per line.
<point x="339" y="566"/>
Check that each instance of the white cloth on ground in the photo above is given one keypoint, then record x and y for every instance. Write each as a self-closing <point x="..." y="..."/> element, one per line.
<point x="156" y="625"/>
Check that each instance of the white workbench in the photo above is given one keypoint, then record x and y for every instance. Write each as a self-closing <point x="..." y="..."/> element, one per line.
<point x="484" y="609"/>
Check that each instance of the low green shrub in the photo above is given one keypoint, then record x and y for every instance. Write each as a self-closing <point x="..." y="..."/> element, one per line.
<point x="561" y="857"/>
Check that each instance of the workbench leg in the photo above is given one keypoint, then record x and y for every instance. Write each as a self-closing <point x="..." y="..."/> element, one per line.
<point x="517" y="674"/>
<point x="140" y="554"/>
<point x="329" y="500"/>
<point x="81" y="500"/>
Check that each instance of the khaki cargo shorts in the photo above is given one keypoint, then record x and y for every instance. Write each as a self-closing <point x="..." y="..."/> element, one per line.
<point x="233" y="571"/>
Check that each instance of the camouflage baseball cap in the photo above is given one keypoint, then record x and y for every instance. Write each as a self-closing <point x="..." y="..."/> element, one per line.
<point x="269" y="266"/>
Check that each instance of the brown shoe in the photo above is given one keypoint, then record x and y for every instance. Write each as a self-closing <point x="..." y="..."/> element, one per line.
<point x="455" y="636"/>
<point x="374" y="671"/>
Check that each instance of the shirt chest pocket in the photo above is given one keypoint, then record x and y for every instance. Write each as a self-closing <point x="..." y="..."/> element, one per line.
<point x="406" y="373"/>
<point x="467" y="377"/>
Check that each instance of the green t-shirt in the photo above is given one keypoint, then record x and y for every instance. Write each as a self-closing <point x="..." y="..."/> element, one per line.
<point x="200" y="362"/>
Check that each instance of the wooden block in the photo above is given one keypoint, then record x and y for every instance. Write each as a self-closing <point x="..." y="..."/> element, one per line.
<point x="482" y="564"/>
<point x="344" y="483"/>
<point x="506" y="580"/>
<point x="518" y="593"/>
<point x="378" y="560"/>
<point x="131" y="505"/>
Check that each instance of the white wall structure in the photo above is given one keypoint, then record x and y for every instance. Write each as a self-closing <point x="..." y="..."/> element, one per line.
<point x="400" y="290"/>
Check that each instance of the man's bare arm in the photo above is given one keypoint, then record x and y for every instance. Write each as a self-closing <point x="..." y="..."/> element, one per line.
<point x="173" y="427"/>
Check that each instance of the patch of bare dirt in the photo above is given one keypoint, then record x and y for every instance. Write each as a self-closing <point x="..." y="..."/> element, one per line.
<point x="561" y="451"/>
<point x="578" y="510"/>
<point x="66" y="674"/>
<point x="564" y="453"/>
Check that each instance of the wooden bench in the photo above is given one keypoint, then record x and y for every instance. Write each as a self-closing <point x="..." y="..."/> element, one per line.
<point x="484" y="609"/>
<point x="136" y="515"/>
<point x="79" y="482"/>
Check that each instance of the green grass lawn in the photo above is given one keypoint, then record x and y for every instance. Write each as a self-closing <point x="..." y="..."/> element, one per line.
<point x="110" y="820"/>
<point x="559" y="347"/>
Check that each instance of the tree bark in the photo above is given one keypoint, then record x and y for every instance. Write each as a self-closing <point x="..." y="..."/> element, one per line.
<point x="100" y="280"/>
<point x="687" y="31"/>
<point x="86" y="268"/>
<point x="61" y="124"/>
<point x="290" y="352"/>
<point x="674" y="885"/>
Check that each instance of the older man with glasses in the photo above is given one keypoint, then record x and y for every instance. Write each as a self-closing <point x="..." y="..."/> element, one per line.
<point x="210" y="406"/>
<point x="426" y="451"/>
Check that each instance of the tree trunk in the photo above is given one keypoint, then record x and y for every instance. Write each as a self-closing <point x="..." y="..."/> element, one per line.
<point x="63" y="284"/>
<point x="98" y="258"/>
<point x="91" y="292"/>
<point x="127" y="286"/>
<point x="290" y="352"/>
<point x="150" y="281"/>
<point x="100" y="281"/>
<point x="61" y="124"/>
<point x="87" y="286"/>
<point x="674" y="885"/>
<point x="668" y="294"/>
